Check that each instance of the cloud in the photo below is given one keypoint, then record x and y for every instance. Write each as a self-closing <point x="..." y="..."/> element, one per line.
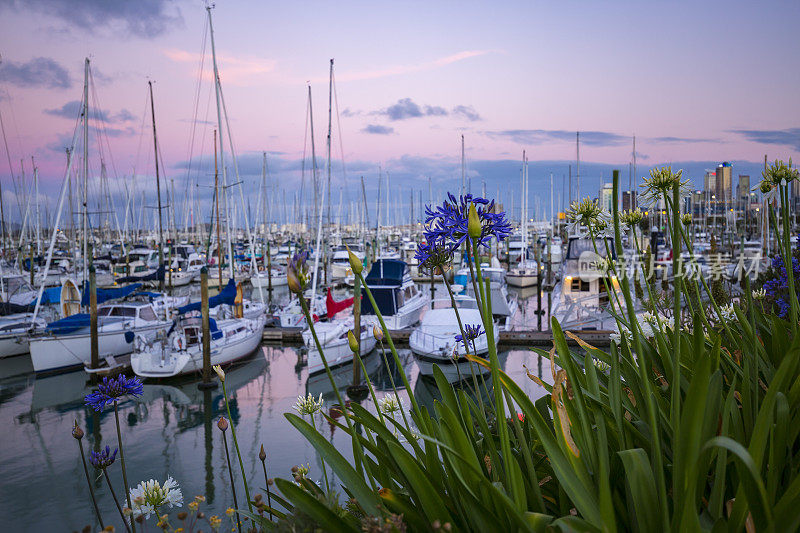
<point x="435" y="111"/>
<point x="408" y="69"/>
<point x="468" y="112"/>
<point x="347" y="112"/>
<point x="377" y="129"/>
<point x="403" y="109"/>
<point x="787" y="137"/>
<point x="72" y="110"/>
<point x="681" y="140"/>
<point x="589" y="138"/>
<point x="237" y="70"/>
<point x="141" y="18"/>
<point x="38" y="72"/>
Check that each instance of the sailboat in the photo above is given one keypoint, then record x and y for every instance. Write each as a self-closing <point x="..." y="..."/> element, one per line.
<point x="526" y="273"/>
<point x="181" y="350"/>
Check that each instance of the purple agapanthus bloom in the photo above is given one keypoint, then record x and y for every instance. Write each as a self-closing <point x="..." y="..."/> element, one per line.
<point x="433" y="255"/>
<point x="104" y="458"/>
<point x="298" y="267"/>
<point x="111" y="389"/>
<point x="447" y="223"/>
<point x="470" y="333"/>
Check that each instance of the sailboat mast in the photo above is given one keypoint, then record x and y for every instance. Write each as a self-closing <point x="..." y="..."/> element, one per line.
<point x="38" y="217"/>
<point x="463" y="166"/>
<point x="578" y="156"/>
<point x="219" y="126"/>
<point x="158" y="188"/>
<point x="216" y="206"/>
<point x="85" y="168"/>
<point x="330" y="119"/>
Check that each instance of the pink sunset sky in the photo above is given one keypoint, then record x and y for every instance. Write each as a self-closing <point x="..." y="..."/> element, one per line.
<point x="696" y="82"/>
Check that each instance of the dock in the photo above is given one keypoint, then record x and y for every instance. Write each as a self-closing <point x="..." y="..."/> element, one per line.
<point x="516" y="337"/>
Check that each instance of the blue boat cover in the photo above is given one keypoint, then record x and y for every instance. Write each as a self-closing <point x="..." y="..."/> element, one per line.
<point x="104" y="295"/>
<point x="386" y="272"/>
<point x="226" y="296"/>
<point x="68" y="325"/>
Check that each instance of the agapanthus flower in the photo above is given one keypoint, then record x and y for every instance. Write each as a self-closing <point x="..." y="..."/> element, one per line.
<point x="686" y="219"/>
<point x="434" y="255"/>
<point x="660" y="184"/>
<point x="110" y="390"/>
<point x="104" y="458"/>
<point x="308" y="405"/>
<point x="759" y="294"/>
<point x="297" y="272"/>
<point x="447" y="224"/>
<point x="471" y="332"/>
<point x="631" y="218"/>
<point x="148" y="496"/>
<point x="779" y="173"/>
<point x="727" y="313"/>
<point x="602" y="366"/>
<point x="587" y="212"/>
<point x="390" y="404"/>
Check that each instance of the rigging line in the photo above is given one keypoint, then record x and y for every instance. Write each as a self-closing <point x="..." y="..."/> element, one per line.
<point x="341" y="144"/>
<point x="98" y="107"/>
<point x="303" y="164"/>
<point x="196" y="102"/>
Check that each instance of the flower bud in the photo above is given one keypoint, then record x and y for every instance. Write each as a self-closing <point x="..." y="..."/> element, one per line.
<point x="262" y="455"/>
<point x="473" y="223"/>
<point x="765" y="187"/>
<point x="355" y="263"/>
<point x="182" y="515"/>
<point x="352" y="341"/>
<point x="293" y="281"/>
<point x="377" y="332"/>
<point x="222" y="424"/>
<point x="77" y="432"/>
<point x="220" y="372"/>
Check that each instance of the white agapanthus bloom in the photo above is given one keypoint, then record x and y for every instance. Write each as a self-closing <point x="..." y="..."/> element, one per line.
<point x="390" y="404"/>
<point x="727" y="313"/>
<point x="759" y="294"/>
<point x="150" y="495"/>
<point x="308" y="405"/>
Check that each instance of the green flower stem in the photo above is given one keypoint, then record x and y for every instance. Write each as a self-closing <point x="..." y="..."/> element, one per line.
<point x="116" y="501"/>
<point x="122" y="462"/>
<point x="89" y="482"/>
<point x="230" y="473"/>
<point x="322" y="459"/>
<point x="357" y="446"/>
<point x="236" y="445"/>
<point x="675" y="385"/>
<point x="389" y="341"/>
<point x="369" y="384"/>
<point x="475" y="287"/>
<point x="394" y="387"/>
<point x="787" y="261"/>
<point x="466" y="345"/>
<point x="500" y="411"/>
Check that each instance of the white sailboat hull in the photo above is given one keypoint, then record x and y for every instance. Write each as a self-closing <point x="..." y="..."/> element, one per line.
<point x="162" y="362"/>
<point x="59" y="352"/>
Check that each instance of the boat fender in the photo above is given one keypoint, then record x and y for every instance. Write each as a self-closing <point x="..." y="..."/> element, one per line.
<point x="129" y="336"/>
<point x="178" y="342"/>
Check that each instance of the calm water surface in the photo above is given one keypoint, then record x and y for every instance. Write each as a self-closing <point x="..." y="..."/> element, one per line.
<point x="171" y="431"/>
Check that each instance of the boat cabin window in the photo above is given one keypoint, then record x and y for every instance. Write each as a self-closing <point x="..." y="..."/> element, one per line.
<point x="579" y="285"/>
<point x="123" y="311"/>
<point x="16" y="284"/>
<point x="140" y="268"/>
<point x="104" y="311"/>
<point x="578" y="246"/>
<point x="192" y="335"/>
<point x="147" y="313"/>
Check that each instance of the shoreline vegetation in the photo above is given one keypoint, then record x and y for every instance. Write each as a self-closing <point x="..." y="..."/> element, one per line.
<point x="689" y="421"/>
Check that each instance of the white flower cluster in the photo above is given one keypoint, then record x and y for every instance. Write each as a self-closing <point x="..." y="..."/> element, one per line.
<point x="390" y="404"/>
<point x="148" y="496"/>
<point x="727" y="313"/>
<point x="308" y="405"/>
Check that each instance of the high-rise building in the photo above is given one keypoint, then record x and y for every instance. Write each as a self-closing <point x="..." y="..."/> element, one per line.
<point x="628" y="200"/>
<point x="710" y="181"/>
<point x="724" y="182"/>
<point x="606" y="197"/>
<point x="743" y="189"/>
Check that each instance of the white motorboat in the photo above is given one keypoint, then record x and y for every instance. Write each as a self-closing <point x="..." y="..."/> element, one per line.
<point x="434" y="340"/>
<point x="66" y="343"/>
<point x="261" y="279"/>
<point x="525" y="274"/>
<point x="291" y="315"/>
<point x="581" y="298"/>
<point x="398" y="298"/>
<point x="181" y="352"/>
<point x="504" y="305"/>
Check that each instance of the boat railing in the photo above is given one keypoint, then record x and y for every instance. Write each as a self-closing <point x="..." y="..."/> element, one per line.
<point x="432" y="342"/>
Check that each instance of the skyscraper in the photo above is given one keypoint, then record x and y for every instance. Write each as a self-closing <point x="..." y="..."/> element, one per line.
<point x="724" y="182"/>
